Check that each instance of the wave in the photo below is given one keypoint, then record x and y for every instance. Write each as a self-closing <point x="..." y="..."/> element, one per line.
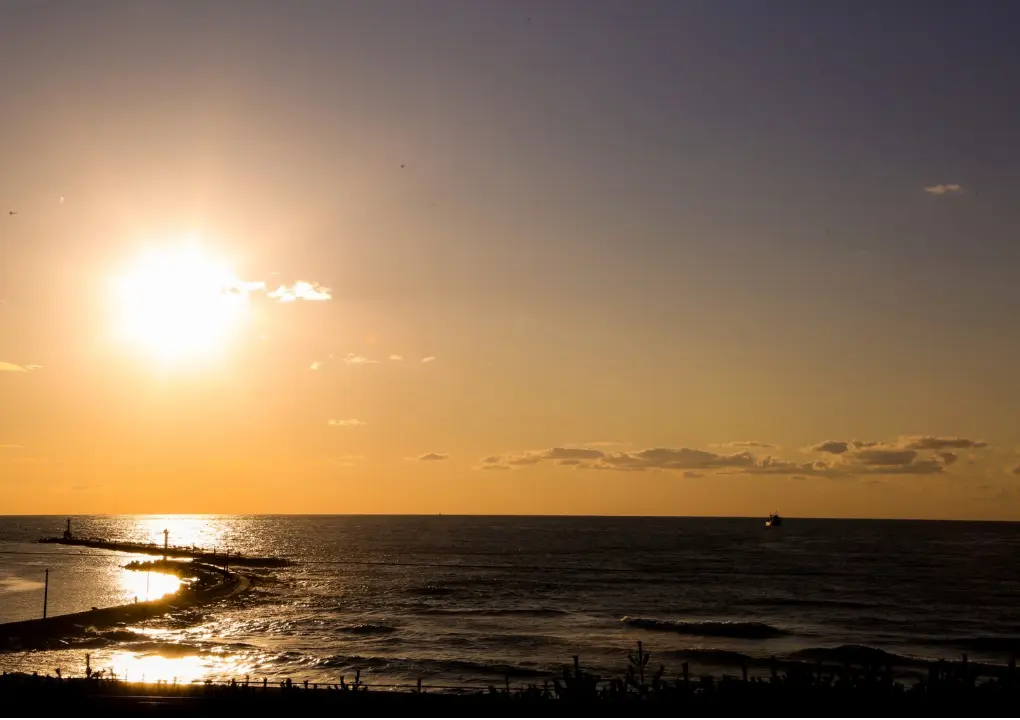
<point x="856" y="655"/>
<point x="167" y="649"/>
<point x="427" y="666"/>
<point x="798" y="602"/>
<point x="430" y="590"/>
<point x="495" y="612"/>
<point x="712" y="656"/>
<point x="741" y="630"/>
<point x="367" y="629"/>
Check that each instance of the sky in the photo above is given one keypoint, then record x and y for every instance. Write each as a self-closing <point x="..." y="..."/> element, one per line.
<point x="540" y="257"/>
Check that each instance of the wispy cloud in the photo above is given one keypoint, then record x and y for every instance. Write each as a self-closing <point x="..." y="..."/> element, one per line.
<point x="13" y="367"/>
<point x="11" y="447"/>
<point x="316" y="365"/>
<point x="929" y="442"/>
<point x="344" y="461"/>
<point x="434" y="456"/>
<point x="396" y="357"/>
<point x="353" y="359"/>
<point x="430" y="358"/>
<point x="946" y="189"/>
<point x="746" y="444"/>
<point x="352" y="422"/>
<point x="301" y="290"/>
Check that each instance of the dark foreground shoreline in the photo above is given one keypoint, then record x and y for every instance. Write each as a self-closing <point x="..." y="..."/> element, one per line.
<point x="949" y="690"/>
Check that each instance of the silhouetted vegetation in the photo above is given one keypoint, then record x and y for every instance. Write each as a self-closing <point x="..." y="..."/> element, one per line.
<point x="794" y="689"/>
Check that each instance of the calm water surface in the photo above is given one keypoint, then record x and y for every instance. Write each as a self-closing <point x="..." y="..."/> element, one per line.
<point x="457" y="600"/>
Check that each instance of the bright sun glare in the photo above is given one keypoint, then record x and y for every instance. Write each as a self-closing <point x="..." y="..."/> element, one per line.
<point x="178" y="303"/>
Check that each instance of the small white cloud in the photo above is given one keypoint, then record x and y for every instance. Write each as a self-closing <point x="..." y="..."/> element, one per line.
<point x="396" y="357"/>
<point x="301" y="290"/>
<point x="947" y="189"/>
<point x="353" y="359"/>
<point x="353" y="422"/>
<point x="430" y="358"/>
<point x="11" y="367"/>
<point x="316" y="365"/>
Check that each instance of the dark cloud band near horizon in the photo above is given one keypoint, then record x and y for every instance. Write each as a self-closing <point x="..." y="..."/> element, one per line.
<point x="909" y="455"/>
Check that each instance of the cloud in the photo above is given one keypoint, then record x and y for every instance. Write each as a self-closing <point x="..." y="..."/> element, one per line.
<point x="496" y="467"/>
<point x="344" y="461"/>
<point x="11" y="367"/>
<point x="434" y="456"/>
<point x="928" y="442"/>
<point x="430" y="358"/>
<point x="746" y="444"/>
<point x="396" y="357"/>
<point x="678" y="459"/>
<point x="316" y="365"/>
<point x="353" y="422"/>
<point x="883" y="456"/>
<point x="834" y="447"/>
<point x="650" y="459"/>
<point x="301" y="290"/>
<point x="12" y="447"/>
<point x="947" y="458"/>
<point x="948" y="189"/>
<point x="353" y="359"/>
<point x="565" y="453"/>
<point x="910" y="455"/>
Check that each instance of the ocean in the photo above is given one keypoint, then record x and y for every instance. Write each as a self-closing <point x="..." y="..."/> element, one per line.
<point x="471" y="600"/>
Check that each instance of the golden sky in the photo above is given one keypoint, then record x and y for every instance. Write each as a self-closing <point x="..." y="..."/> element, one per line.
<point x="357" y="258"/>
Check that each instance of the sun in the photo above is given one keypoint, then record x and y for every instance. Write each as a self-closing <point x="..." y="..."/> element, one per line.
<point x="178" y="302"/>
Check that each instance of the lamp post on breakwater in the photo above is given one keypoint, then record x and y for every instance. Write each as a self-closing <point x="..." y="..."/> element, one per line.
<point x="46" y="593"/>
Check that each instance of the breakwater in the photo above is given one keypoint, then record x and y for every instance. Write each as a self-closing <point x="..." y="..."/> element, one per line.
<point x="212" y="583"/>
<point x="211" y="557"/>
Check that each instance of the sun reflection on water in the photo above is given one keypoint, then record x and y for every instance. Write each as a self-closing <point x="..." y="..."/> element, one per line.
<point x="147" y="585"/>
<point x="184" y="530"/>
<point x="183" y="668"/>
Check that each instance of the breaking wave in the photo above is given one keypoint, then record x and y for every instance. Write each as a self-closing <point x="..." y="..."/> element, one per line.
<point x="741" y="630"/>
<point x="367" y="629"/>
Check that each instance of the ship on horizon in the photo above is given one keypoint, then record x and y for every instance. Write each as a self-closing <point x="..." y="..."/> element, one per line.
<point x="774" y="520"/>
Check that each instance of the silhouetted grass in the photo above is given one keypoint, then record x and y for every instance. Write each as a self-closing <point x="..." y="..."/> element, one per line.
<point x="790" y="689"/>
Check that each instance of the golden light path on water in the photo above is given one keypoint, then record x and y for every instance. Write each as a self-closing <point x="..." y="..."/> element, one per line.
<point x="146" y="585"/>
<point x="184" y="530"/>
<point x="180" y="668"/>
<point x="168" y="657"/>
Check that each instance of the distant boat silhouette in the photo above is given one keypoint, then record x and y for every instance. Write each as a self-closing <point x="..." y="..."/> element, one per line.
<point x="774" y="520"/>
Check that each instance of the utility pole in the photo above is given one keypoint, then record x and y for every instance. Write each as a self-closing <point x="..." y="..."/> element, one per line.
<point x="46" y="594"/>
